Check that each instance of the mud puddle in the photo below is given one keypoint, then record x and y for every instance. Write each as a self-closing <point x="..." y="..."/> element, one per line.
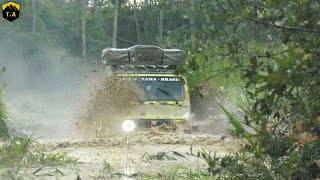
<point x="146" y="154"/>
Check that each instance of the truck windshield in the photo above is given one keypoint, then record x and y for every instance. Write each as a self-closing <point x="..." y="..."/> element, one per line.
<point x="159" y="88"/>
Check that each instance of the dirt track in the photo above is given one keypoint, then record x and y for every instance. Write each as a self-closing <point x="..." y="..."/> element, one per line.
<point x="50" y="114"/>
<point x="94" y="154"/>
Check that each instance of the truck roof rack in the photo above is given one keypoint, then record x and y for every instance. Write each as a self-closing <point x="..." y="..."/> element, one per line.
<point x="145" y="66"/>
<point x="144" y="55"/>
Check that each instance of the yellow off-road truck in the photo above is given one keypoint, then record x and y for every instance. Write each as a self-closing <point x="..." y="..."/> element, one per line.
<point x="165" y="94"/>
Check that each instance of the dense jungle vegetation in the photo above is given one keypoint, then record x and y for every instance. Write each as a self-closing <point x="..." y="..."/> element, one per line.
<point x="265" y="53"/>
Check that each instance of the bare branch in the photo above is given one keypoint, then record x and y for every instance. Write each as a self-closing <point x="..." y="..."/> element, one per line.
<point x="282" y="27"/>
<point x="278" y="53"/>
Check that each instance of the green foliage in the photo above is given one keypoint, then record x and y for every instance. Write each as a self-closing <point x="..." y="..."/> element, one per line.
<point x="58" y="24"/>
<point x="23" y="151"/>
<point x="54" y="159"/>
<point x="3" y="126"/>
<point x="4" y="132"/>
<point x="266" y="50"/>
<point x="245" y="165"/>
<point x="237" y="166"/>
<point x="240" y="132"/>
<point x="15" y="152"/>
<point x="270" y="50"/>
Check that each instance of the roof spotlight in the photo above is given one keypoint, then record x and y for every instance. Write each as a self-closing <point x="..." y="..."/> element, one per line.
<point x="128" y="125"/>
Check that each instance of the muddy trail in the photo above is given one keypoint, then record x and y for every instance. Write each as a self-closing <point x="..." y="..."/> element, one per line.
<point x="71" y="107"/>
<point x="146" y="153"/>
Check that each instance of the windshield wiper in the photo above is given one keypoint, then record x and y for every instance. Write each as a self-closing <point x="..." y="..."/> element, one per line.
<point x="167" y="93"/>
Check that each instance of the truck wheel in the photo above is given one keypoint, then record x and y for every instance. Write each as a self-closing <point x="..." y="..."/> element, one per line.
<point x="183" y="127"/>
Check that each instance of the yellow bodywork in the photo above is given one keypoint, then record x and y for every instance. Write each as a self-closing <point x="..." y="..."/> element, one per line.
<point x="161" y="110"/>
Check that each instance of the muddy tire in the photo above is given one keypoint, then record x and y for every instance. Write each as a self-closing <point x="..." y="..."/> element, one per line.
<point x="183" y="127"/>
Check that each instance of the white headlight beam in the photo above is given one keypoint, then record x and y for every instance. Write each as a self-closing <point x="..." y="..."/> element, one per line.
<point x="128" y="125"/>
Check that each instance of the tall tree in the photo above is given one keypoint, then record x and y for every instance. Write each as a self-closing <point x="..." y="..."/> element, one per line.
<point x="115" y="24"/>
<point x="193" y="23"/>
<point x="161" y="17"/>
<point x="145" y="20"/>
<point x="83" y="27"/>
<point x="34" y="17"/>
<point x="137" y="22"/>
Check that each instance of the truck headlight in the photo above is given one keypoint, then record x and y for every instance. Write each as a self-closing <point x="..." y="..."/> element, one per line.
<point x="128" y="125"/>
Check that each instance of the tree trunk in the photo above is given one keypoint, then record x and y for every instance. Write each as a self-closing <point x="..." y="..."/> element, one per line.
<point x="193" y="24"/>
<point x="137" y="22"/>
<point x="83" y="27"/>
<point x="161" y="17"/>
<point x="145" y="20"/>
<point x="34" y="17"/>
<point x="115" y="24"/>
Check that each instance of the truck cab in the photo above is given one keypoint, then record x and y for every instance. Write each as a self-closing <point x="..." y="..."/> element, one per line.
<point x="164" y="96"/>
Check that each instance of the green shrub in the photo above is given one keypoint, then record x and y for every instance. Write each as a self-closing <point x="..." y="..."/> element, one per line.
<point x="4" y="133"/>
<point x="23" y="151"/>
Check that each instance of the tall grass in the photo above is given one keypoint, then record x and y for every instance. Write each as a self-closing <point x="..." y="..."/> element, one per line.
<point x="4" y="133"/>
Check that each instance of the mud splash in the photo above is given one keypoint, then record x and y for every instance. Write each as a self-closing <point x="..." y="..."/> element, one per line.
<point x="107" y="105"/>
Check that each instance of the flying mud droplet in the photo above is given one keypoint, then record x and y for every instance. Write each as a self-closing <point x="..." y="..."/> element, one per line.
<point x="108" y="105"/>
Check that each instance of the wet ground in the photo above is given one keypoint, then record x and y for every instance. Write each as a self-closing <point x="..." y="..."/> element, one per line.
<point x="52" y="121"/>
<point x="47" y="106"/>
<point x="101" y="157"/>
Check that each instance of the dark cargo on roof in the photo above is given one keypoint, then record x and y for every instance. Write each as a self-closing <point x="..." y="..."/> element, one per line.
<point x="143" y="55"/>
